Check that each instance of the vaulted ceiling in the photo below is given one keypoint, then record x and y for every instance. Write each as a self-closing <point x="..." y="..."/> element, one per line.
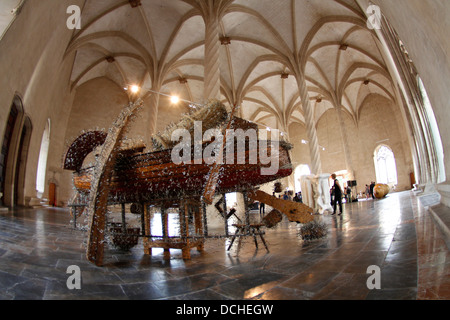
<point x="8" y="11"/>
<point x="163" y="40"/>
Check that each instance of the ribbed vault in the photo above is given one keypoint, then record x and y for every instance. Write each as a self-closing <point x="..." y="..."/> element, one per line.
<point x="161" y="44"/>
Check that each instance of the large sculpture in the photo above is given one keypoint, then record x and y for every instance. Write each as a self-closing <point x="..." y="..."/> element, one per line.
<point x="316" y="192"/>
<point x="124" y="175"/>
<point x="381" y="190"/>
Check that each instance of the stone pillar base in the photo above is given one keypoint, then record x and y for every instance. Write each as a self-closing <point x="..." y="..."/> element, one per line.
<point x="444" y="191"/>
<point x="35" y="202"/>
<point x="428" y="195"/>
<point x="316" y="192"/>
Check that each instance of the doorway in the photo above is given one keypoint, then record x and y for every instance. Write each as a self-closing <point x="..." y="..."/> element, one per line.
<point x="301" y="170"/>
<point x="14" y="154"/>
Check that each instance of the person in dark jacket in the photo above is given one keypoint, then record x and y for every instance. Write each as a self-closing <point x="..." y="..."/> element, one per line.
<point x="337" y="195"/>
<point x="372" y="186"/>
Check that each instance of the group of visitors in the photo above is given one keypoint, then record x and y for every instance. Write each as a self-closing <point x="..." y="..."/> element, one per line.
<point x="298" y="197"/>
<point x="337" y="192"/>
<point x="288" y="196"/>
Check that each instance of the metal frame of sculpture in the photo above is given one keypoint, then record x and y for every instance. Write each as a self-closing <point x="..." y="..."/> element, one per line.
<point x="124" y="176"/>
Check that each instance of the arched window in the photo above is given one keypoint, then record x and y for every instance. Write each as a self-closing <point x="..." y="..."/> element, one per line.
<point x="42" y="164"/>
<point x="385" y="166"/>
<point x="301" y="170"/>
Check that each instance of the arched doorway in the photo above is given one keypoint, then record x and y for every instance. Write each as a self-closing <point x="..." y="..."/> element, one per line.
<point x="301" y="170"/>
<point x="385" y="166"/>
<point x="24" y="144"/>
<point x="14" y="154"/>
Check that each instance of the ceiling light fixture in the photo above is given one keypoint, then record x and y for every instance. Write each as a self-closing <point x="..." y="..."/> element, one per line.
<point x="174" y="99"/>
<point x="134" y="89"/>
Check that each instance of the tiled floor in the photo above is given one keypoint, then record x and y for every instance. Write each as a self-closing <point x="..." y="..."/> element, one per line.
<point x="395" y="234"/>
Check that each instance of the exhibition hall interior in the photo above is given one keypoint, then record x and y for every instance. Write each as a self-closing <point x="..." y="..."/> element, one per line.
<point x="224" y="150"/>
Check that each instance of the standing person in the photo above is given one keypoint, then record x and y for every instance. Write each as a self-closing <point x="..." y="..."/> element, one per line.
<point x="337" y="195"/>
<point x="262" y="208"/>
<point x="367" y="191"/>
<point x="332" y="196"/>
<point x="372" y="185"/>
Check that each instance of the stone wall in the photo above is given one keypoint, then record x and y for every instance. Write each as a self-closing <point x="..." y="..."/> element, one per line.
<point x="378" y="124"/>
<point x="35" y="68"/>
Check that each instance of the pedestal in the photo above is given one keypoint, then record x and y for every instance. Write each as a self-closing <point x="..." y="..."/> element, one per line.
<point x="316" y="192"/>
<point x="444" y="191"/>
<point x="324" y="193"/>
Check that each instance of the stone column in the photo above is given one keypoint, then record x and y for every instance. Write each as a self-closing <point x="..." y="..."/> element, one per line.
<point x="347" y="156"/>
<point x="152" y="114"/>
<point x="444" y="191"/>
<point x="212" y="56"/>
<point x="311" y="131"/>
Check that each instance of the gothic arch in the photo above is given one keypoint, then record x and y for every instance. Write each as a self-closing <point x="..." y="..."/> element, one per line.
<point x="15" y="147"/>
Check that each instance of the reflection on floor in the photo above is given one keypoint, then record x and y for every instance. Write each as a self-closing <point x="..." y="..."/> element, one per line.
<point x="396" y="234"/>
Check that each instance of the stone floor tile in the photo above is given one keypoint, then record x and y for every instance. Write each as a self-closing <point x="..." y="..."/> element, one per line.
<point x="396" y="234"/>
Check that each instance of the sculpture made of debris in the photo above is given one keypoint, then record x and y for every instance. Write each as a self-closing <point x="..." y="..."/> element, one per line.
<point x="211" y="115"/>
<point x="313" y="230"/>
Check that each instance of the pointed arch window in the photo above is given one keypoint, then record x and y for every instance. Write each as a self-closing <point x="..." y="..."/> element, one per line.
<point x="385" y="166"/>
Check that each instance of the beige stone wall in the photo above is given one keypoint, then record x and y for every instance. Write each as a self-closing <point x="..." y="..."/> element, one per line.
<point x="330" y="137"/>
<point x="33" y="67"/>
<point x="377" y="125"/>
<point x="423" y="27"/>
<point x="300" y="154"/>
<point x="96" y="104"/>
